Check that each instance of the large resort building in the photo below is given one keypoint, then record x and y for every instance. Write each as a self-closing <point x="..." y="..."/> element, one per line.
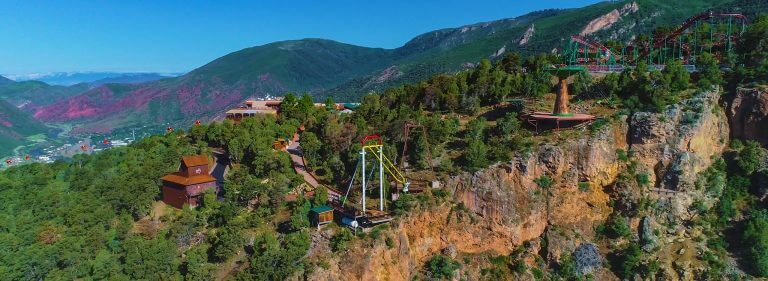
<point x="187" y="186"/>
<point x="252" y="108"/>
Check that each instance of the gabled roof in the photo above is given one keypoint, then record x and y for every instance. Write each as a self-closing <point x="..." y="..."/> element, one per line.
<point x="196" y="160"/>
<point x="321" y="209"/>
<point x="178" y="178"/>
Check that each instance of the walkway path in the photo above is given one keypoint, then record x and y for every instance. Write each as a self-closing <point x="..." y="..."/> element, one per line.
<point x="294" y="149"/>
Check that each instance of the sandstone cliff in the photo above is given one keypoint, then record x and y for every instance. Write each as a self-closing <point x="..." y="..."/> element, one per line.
<point x="748" y="115"/>
<point x="496" y="210"/>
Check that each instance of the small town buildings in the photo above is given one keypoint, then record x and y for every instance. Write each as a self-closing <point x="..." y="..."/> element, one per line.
<point x="320" y="215"/>
<point x="187" y="186"/>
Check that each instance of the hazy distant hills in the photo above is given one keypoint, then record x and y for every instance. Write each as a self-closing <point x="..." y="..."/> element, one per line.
<point x="131" y="78"/>
<point x="329" y="68"/>
<point x="5" y="81"/>
<point x="93" y="78"/>
<point x="35" y="93"/>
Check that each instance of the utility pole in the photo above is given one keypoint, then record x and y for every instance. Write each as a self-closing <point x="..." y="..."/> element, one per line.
<point x="362" y="152"/>
<point x="381" y="178"/>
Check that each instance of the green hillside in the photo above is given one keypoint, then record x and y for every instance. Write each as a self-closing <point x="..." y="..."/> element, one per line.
<point x="298" y="65"/>
<point x="15" y="126"/>
<point x="450" y="50"/>
<point x="36" y="92"/>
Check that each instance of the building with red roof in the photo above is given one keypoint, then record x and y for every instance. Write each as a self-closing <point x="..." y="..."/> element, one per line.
<point x="188" y="185"/>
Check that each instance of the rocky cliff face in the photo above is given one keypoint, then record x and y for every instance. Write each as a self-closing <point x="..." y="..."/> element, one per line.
<point x="607" y="20"/>
<point x="496" y="210"/>
<point x="748" y="115"/>
<point x="677" y="144"/>
<point x="672" y="148"/>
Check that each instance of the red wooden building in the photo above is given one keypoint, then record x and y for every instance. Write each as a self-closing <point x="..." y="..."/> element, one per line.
<point x="188" y="184"/>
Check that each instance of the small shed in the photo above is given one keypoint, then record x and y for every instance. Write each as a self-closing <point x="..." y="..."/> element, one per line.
<point x="280" y="144"/>
<point x="320" y="215"/>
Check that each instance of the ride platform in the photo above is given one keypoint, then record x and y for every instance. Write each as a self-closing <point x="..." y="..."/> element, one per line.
<point x="556" y="121"/>
<point x="375" y="217"/>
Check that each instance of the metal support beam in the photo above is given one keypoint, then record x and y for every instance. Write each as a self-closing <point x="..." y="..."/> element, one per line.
<point x="381" y="179"/>
<point x="362" y="152"/>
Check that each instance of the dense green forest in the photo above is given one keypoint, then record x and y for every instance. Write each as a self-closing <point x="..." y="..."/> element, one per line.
<point x="92" y="217"/>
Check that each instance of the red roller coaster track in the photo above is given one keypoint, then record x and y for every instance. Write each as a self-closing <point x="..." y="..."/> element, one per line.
<point x="644" y="49"/>
<point x="659" y="42"/>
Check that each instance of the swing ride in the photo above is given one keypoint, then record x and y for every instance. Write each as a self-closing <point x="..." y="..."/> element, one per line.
<point x="362" y="214"/>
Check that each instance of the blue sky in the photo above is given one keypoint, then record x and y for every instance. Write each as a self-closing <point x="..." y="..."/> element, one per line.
<point x="178" y="36"/>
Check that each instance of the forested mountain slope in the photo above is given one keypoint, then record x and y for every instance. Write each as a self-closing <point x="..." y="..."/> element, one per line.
<point x="15" y="126"/>
<point x="345" y="72"/>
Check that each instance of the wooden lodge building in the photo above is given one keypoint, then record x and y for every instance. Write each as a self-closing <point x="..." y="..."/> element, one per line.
<point x="253" y="108"/>
<point x="188" y="185"/>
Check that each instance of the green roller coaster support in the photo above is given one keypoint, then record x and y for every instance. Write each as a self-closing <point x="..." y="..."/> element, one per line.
<point x="711" y="34"/>
<point x="650" y="52"/>
<point x="729" y="35"/>
<point x="685" y="45"/>
<point x="623" y="53"/>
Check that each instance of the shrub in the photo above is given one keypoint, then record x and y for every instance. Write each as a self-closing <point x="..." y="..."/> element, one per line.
<point x="584" y="186"/>
<point x="751" y="158"/>
<point x="390" y="242"/>
<point x="598" y="125"/>
<point x="756" y="233"/>
<point x="543" y="181"/>
<point x="737" y="144"/>
<point x="517" y="105"/>
<point x="567" y="268"/>
<point x="340" y="241"/>
<point x="404" y="204"/>
<point x="643" y="179"/>
<point x="520" y="267"/>
<point x="442" y="267"/>
<point x="618" y="227"/>
<point x="440" y="193"/>
<point x="631" y="260"/>
<point x="622" y="155"/>
<point x="376" y="231"/>
<point x="476" y="154"/>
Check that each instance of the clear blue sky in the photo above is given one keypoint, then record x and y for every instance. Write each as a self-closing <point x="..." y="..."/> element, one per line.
<point x="178" y="36"/>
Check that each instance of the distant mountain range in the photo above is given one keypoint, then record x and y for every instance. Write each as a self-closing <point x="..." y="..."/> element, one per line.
<point x="93" y="78"/>
<point x="345" y="72"/>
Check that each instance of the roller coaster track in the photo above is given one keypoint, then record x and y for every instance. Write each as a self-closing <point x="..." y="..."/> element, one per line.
<point x="659" y="42"/>
<point x="590" y="52"/>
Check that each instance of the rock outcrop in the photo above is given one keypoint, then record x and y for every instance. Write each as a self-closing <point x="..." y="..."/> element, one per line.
<point x="607" y="20"/>
<point x="677" y="144"/>
<point x="748" y="115"/>
<point x="587" y="258"/>
<point x="527" y="35"/>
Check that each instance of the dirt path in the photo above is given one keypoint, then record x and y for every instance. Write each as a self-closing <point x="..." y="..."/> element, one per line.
<point x="294" y="149"/>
